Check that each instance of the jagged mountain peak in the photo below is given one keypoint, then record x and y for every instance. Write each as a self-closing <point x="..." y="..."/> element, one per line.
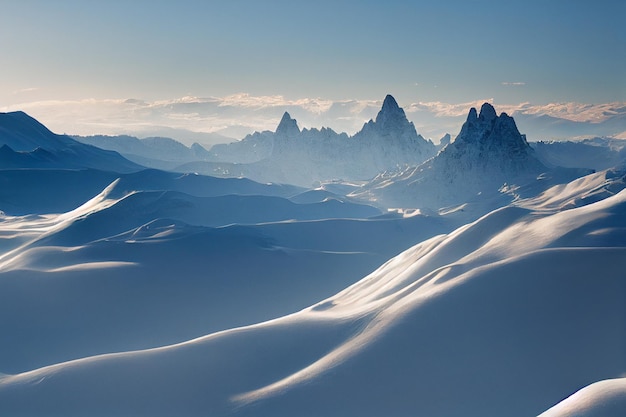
<point x="472" y="116"/>
<point x="391" y="114"/>
<point x="287" y="126"/>
<point x="390" y="104"/>
<point x="487" y="112"/>
<point x="487" y="127"/>
<point x="286" y="118"/>
<point x="488" y="140"/>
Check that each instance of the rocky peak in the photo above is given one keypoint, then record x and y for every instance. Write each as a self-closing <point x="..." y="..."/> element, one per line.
<point x="287" y="127"/>
<point x="390" y="104"/>
<point x="472" y="116"/>
<point x="487" y="113"/>
<point x="391" y="115"/>
<point x="445" y="140"/>
<point x="479" y="128"/>
<point x="393" y="138"/>
<point x="489" y="139"/>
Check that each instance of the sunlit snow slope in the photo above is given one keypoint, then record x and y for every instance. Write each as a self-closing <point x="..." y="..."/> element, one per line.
<point x="505" y="316"/>
<point x="602" y="399"/>
<point x="183" y="257"/>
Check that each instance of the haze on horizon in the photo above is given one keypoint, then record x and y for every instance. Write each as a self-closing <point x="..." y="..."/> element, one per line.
<point x="74" y="65"/>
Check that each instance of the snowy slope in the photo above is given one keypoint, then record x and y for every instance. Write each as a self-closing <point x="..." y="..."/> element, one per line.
<point x="143" y="263"/>
<point x="30" y="191"/>
<point x="26" y="143"/>
<point x="602" y="399"/>
<point x="504" y="316"/>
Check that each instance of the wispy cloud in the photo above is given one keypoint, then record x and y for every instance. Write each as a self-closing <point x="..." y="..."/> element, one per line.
<point x="513" y="83"/>
<point x="238" y="114"/>
<point x="24" y="90"/>
<point x="441" y="109"/>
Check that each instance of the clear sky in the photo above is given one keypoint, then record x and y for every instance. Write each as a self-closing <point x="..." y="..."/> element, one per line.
<point x="451" y="51"/>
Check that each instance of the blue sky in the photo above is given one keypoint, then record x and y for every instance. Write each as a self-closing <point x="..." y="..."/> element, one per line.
<point x="449" y="51"/>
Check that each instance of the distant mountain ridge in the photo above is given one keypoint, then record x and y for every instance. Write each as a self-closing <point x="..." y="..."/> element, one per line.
<point x="26" y="143"/>
<point x="153" y="152"/>
<point x="302" y="157"/>
<point x="593" y="153"/>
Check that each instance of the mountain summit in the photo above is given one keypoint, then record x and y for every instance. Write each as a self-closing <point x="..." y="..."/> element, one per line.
<point x="395" y="137"/>
<point x="391" y="115"/>
<point x="391" y="122"/>
<point x="490" y="142"/>
<point x="390" y="106"/>
<point x="23" y="133"/>
<point x="287" y="127"/>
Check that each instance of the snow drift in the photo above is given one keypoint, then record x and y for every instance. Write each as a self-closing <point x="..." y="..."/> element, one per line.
<point x="504" y="316"/>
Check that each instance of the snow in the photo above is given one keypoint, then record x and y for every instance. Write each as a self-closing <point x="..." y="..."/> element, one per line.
<point x="152" y="293"/>
<point x="164" y="243"/>
<point x="601" y="399"/>
<point x="503" y="316"/>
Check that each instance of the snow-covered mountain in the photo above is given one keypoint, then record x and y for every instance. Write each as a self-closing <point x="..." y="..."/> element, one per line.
<point x="594" y="153"/>
<point x="26" y="143"/>
<point x="253" y="148"/>
<point x="488" y="159"/>
<point x="306" y="156"/>
<point x="152" y="152"/>
<point x="507" y="315"/>
<point x="603" y="120"/>
<point x="391" y="140"/>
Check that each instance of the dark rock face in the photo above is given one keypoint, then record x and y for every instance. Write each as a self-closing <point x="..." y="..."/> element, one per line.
<point x="287" y="127"/>
<point x="490" y="141"/>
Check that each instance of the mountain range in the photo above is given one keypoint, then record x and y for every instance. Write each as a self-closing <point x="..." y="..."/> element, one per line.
<point x="488" y="159"/>
<point x="308" y="156"/>
<point x="484" y="278"/>
<point x="153" y="152"/>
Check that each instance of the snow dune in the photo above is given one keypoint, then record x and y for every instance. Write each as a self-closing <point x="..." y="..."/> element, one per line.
<point x="602" y="399"/>
<point x="149" y="268"/>
<point x="504" y="316"/>
<point x="47" y="191"/>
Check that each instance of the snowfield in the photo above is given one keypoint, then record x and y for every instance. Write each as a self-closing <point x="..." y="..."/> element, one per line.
<point x="157" y="267"/>
<point x="507" y="315"/>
